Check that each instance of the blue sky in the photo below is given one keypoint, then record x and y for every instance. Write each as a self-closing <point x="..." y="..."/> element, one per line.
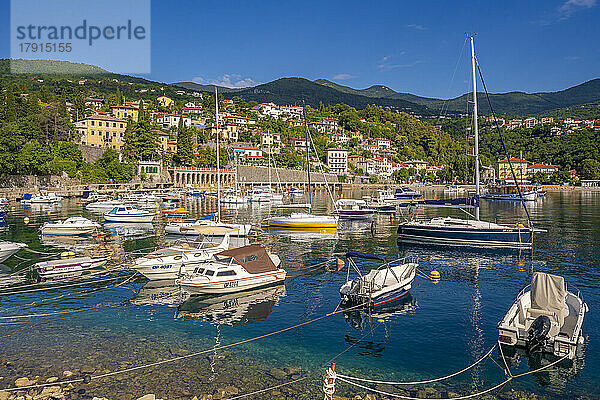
<point x="408" y="46"/>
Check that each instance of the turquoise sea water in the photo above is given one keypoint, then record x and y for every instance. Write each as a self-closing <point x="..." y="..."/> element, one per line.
<point x="440" y="329"/>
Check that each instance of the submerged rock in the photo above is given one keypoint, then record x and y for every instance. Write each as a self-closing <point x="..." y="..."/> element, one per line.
<point x="22" y="382"/>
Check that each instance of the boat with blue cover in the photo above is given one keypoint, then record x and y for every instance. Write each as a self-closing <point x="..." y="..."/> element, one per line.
<point x="390" y="281"/>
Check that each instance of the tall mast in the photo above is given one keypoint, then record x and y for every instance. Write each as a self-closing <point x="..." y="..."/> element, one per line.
<point x="307" y="152"/>
<point x="475" y="123"/>
<point x="218" y="161"/>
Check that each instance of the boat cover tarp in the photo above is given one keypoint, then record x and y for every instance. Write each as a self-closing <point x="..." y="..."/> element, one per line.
<point x="210" y="216"/>
<point x="253" y="258"/>
<point x="548" y="292"/>
<point x="358" y="254"/>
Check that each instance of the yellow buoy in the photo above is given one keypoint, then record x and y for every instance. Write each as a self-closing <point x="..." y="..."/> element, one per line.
<point x="66" y="254"/>
<point x="434" y="275"/>
<point x="48" y="213"/>
<point x="26" y="220"/>
<point x="380" y="320"/>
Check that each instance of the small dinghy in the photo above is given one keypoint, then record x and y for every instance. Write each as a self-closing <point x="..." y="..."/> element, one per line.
<point x="391" y="281"/>
<point x="128" y="214"/>
<point x="545" y="319"/>
<point x="72" y="226"/>
<point x="234" y="270"/>
<point x="48" y="269"/>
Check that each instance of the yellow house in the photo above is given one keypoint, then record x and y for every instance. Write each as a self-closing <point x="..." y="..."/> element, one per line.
<point x="519" y="165"/>
<point x="101" y="130"/>
<point x="125" y="112"/>
<point x="165" y="101"/>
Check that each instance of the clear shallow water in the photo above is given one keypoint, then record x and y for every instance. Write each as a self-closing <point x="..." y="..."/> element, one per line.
<point x="440" y="329"/>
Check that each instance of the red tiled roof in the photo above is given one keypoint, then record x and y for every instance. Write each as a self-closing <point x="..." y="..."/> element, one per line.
<point x="519" y="160"/>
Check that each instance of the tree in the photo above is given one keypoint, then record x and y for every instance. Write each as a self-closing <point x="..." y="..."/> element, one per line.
<point x="140" y="141"/>
<point x="34" y="158"/>
<point x="185" y="151"/>
<point x="590" y="169"/>
<point x="401" y="175"/>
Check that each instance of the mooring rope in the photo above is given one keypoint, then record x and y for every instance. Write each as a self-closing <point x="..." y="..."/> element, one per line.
<point x="469" y="396"/>
<point x="486" y="355"/>
<point x="88" y="378"/>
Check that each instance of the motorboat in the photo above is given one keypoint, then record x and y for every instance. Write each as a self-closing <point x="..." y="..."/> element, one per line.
<point x="465" y="232"/>
<point x="530" y="195"/>
<point x="128" y="214"/>
<point x="40" y="198"/>
<point x="169" y="262"/>
<point x="141" y="199"/>
<point x="381" y="207"/>
<point x="233" y="197"/>
<point x="406" y="193"/>
<point x="48" y="269"/>
<point x="45" y="198"/>
<point x="3" y="201"/>
<point x="234" y="270"/>
<point x="353" y="209"/>
<point x="91" y="196"/>
<point x="301" y="221"/>
<point x="547" y="318"/>
<point x="190" y="227"/>
<point x="104" y="205"/>
<point x="390" y="281"/>
<point x="7" y="249"/>
<point x="196" y="193"/>
<point x="72" y="226"/>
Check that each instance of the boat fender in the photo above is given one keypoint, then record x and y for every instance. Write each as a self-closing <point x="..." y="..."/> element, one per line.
<point x="538" y="334"/>
<point x="26" y="220"/>
<point x="66" y="254"/>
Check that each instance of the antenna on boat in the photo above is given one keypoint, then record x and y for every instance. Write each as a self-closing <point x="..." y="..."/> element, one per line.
<point x="475" y="122"/>
<point x="218" y="161"/>
<point x="306" y="135"/>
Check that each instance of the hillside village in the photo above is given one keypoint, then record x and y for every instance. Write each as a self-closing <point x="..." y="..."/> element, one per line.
<point x="375" y="144"/>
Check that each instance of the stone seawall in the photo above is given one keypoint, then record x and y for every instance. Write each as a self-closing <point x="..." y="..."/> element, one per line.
<point x="259" y="174"/>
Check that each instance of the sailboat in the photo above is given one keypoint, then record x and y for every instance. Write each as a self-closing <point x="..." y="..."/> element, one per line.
<point x="467" y="232"/>
<point x="233" y="196"/>
<point x="303" y="220"/>
<point x="189" y="227"/>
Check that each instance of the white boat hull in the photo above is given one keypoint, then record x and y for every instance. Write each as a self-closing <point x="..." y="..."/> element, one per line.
<point x="129" y="218"/>
<point x="235" y="285"/>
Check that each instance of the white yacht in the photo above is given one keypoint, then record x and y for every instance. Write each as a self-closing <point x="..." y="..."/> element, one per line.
<point x="72" y="226"/>
<point x="234" y="270"/>
<point x="128" y="214"/>
<point x="7" y="249"/>
<point x="168" y="263"/>
<point x="104" y="205"/>
<point x="547" y="318"/>
<point x="301" y="221"/>
<point x="41" y="198"/>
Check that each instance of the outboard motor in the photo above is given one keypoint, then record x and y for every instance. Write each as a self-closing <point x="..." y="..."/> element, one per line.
<point x="537" y="335"/>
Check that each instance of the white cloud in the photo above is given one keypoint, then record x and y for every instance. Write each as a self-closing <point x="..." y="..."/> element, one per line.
<point x="342" y="77"/>
<point x="385" y="65"/>
<point x="417" y="27"/>
<point x="227" y="80"/>
<point x="571" y="6"/>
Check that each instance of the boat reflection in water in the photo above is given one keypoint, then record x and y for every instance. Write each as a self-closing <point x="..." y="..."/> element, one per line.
<point x="76" y="244"/>
<point x="239" y="308"/>
<point x="162" y="292"/>
<point x="366" y="322"/>
<point x="363" y="318"/>
<point x="555" y="378"/>
<point x="130" y="230"/>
